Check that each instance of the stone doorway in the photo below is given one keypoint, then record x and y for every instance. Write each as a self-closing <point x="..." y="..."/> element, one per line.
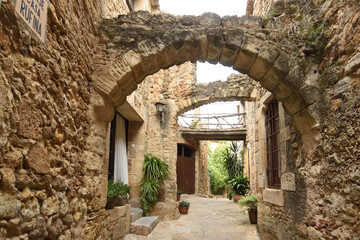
<point x="185" y="169"/>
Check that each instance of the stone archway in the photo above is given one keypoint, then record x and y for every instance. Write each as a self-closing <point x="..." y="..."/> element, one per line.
<point x="140" y="44"/>
<point x="238" y="87"/>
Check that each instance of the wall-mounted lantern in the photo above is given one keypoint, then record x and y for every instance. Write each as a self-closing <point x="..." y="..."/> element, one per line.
<point x="160" y="107"/>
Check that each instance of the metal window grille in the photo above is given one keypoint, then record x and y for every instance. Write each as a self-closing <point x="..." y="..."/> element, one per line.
<point x="272" y="145"/>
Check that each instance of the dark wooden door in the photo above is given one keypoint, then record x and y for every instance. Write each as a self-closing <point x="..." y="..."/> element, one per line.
<point x="185" y="169"/>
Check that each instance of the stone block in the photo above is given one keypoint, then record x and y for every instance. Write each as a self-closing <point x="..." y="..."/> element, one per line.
<point x="353" y="64"/>
<point x="283" y="90"/>
<point x="215" y="45"/>
<point x="273" y="196"/>
<point x="9" y="206"/>
<point x="276" y="73"/>
<point x="203" y="48"/>
<point x="144" y="225"/>
<point x="38" y="159"/>
<point x="134" y="60"/>
<point x="263" y="62"/>
<point x="309" y="94"/>
<point x="294" y="104"/>
<point x="13" y="158"/>
<point x="135" y="213"/>
<point x="246" y="56"/>
<point x="285" y="134"/>
<point x="288" y="181"/>
<point x="342" y="87"/>
<point x="30" y="121"/>
<point x="233" y="39"/>
<point x="92" y="161"/>
<point x="7" y="181"/>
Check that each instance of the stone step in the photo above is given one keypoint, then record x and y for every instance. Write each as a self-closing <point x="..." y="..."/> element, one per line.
<point x="144" y="225"/>
<point x="135" y="214"/>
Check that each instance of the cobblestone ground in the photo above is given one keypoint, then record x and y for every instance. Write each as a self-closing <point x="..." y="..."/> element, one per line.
<point x="208" y="218"/>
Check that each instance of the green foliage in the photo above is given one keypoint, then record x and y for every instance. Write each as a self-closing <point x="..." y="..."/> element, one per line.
<point x="217" y="173"/>
<point x="149" y="191"/>
<point x="117" y="189"/>
<point x="233" y="163"/>
<point x="240" y="185"/>
<point x="313" y="34"/>
<point x="179" y="192"/>
<point x="250" y="202"/>
<point x="184" y="204"/>
<point x="155" y="170"/>
<point x="230" y="194"/>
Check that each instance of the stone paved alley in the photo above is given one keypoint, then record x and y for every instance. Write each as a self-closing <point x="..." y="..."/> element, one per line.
<point x="208" y="218"/>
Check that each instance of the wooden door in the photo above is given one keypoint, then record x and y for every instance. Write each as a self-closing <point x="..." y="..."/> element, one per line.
<point x="185" y="169"/>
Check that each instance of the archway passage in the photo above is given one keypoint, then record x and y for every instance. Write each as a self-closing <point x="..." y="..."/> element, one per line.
<point x="140" y="44"/>
<point x="185" y="169"/>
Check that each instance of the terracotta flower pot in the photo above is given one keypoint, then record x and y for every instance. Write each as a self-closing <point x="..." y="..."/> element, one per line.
<point x="178" y="197"/>
<point x="111" y="202"/>
<point x="253" y="216"/>
<point x="183" y="210"/>
<point x="121" y="202"/>
<point x="237" y="197"/>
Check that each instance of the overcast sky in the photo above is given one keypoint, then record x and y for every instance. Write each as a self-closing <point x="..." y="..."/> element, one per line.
<point x="198" y="7"/>
<point x="208" y="72"/>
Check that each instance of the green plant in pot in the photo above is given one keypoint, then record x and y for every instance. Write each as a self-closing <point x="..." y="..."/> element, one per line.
<point x="155" y="171"/>
<point x="178" y="195"/>
<point x="240" y="186"/>
<point x="250" y="202"/>
<point x="184" y="207"/>
<point x="115" y="191"/>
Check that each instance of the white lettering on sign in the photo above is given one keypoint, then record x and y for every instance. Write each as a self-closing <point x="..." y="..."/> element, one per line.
<point x="34" y="13"/>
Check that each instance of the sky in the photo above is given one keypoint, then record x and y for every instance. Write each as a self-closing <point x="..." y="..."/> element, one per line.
<point x="208" y="72"/>
<point x="198" y="7"/>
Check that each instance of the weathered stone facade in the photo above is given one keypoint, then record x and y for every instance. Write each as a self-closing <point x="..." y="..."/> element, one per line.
<point x="318" y="199"/>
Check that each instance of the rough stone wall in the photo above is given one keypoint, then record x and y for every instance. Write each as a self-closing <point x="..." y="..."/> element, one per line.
<point x="250" y="143"/>
<point x="325" y="204"/>
<point x="203" y="180"/>
<point x="46" y="185"/>
<point x="112" y="8"/>
<point x="169" y="87"/>
<point x="52" y="159"/>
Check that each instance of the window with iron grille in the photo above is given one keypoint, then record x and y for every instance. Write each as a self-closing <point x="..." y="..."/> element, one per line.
<point x="273" y="145"/>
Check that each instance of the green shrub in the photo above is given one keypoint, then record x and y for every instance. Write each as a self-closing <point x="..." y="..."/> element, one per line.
<point x="250" y="202"/>
<point x="216" y="171"/>
<point x="240" y="185"/>
<point x="184" y="204"/>
<point x="179" y="192"/>
<point x="230" y="194"/>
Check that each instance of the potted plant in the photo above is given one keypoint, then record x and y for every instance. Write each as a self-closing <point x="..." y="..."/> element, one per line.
<point x="155" y="172"/>
<point x="240" y="186"/>
<point x="178" y="195"/>
<point x="250" y="202"/>
<point x="184" y="207"/>
<point x="115" y="190"/>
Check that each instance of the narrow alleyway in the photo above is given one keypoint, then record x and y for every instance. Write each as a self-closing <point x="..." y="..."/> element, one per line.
<point x="208" y="218"/>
